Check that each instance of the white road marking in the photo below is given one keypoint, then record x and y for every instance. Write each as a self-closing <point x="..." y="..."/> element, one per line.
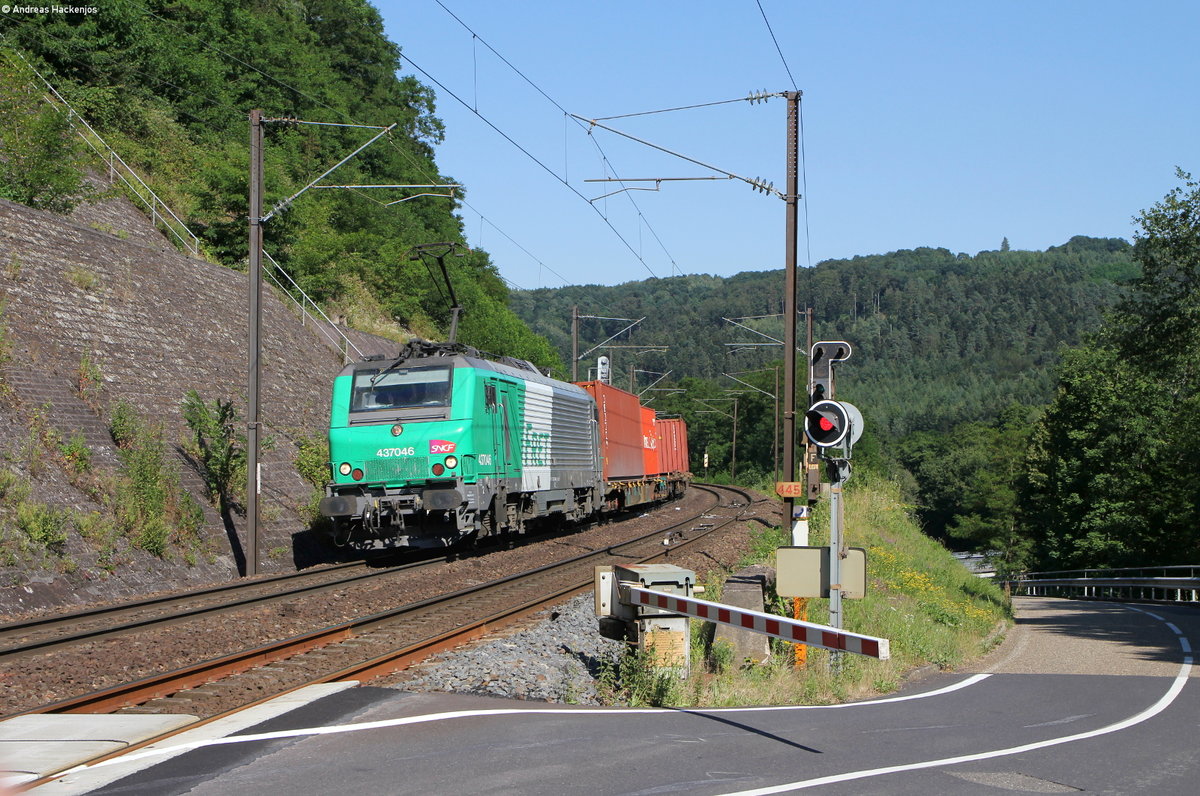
<point x="1162" y="704"/>
<point x="970" y="681"/>
<point x="914" y="729"/>
<point x="1065" y="720"/>
<point x="466" y="714"/>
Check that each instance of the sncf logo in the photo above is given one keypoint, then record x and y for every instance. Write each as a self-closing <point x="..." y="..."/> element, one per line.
<point x="441" y="446"/>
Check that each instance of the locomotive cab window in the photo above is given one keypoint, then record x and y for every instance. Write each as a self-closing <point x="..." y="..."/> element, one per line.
<point x="418" y="388"/>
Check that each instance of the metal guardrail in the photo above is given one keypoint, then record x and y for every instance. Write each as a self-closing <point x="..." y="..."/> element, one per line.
<point x="346" y="341"/>
<point x="1175" y="584"/>
<point x="160" y="213"/>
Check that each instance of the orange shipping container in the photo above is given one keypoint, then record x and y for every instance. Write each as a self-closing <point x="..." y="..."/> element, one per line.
<point x="620" y="417"/>
<point x="672" y="446"/>
<point x="649" y="443"/>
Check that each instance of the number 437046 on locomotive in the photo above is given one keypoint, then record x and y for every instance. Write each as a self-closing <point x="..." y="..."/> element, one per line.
<point x="441" y="444"/>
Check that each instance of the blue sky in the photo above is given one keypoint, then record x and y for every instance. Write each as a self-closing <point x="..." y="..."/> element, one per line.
<point x="951" y="124"/>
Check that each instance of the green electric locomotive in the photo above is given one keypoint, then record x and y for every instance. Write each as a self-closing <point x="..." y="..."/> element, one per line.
<point x="441" y="444"/>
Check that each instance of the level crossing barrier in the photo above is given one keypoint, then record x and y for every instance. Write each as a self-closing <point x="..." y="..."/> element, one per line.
<point x="794" y="630"/>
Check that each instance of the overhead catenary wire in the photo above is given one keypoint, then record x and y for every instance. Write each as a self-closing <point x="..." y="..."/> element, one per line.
<point x="475" y="37"/>
<point x="321" y="103"/>
<point x="208" y="100"/>
<point x="803" y="158"/>
<point x="240" y="113"/>
<point x="778" y="49"/>
<point x="287" y="202"/>
<point x="422" y="170"/>
<point x="536" y="160"/>
<point x="216" y="103"/>
<point x="407" y="155"/>
<point x="755" y="183"/>
<point x="751" y="98"/>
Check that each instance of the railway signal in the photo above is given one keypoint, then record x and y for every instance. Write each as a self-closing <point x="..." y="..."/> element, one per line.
<point x="828" y="424"/>
<point x="822" y="357"/>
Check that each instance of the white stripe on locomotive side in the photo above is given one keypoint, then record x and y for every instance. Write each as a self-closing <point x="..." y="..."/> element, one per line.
<point x="535" y="436"/>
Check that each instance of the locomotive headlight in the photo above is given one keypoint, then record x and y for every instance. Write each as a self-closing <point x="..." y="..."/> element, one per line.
<point x="438" y="469"/>
<point x="451" y="462"/>
<point x="345" y="468"/>
<point x="357" y="475"/>
<point x="397" y="430"/>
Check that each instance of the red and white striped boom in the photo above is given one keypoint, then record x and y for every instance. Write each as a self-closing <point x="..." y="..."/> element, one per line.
<point x="794" y="630"/>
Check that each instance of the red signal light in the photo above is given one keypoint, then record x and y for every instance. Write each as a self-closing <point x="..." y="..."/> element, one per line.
<point x="826" y="423"/>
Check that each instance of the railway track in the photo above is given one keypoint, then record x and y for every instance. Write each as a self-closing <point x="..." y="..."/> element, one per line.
<point x="43" y="634"/>
<point x="19" y="639"/>
<point x="361" y="648"/>
<point x="386" y="642"/>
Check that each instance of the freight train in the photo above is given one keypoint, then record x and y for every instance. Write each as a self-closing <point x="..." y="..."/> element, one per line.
<point x="441" y="445"/>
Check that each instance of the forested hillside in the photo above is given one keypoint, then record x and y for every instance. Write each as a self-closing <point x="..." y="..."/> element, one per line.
<point x="938" y="338"/>
<point x="1018" y="419"/>
<point x="954" y="358"/>
<point x="169" y="86"/>
<point x="1111" y="472"/>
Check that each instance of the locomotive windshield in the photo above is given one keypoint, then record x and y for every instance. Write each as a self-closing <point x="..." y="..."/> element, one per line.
<point x="401" y="388"/>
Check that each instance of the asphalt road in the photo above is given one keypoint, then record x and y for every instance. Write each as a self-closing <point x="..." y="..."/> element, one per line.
<point x="1091" y="697"/>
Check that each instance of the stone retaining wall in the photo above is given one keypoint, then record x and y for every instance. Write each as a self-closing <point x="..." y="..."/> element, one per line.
<point x="106" y="285"/>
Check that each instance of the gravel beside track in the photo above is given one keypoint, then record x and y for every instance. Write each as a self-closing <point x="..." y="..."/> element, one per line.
<point x="35" y="680"/>
<point x="555" y="658"/>
<point x="557" y="654"/>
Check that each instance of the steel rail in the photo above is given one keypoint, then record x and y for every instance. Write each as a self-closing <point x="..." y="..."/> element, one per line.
<point x="181" y="606"/>
<point x="87" y="613"/>
<point x="399" y="658"/>
<point x="396" y="660"/>
<point x="207" y="672"/>
<point x="63" y="630"/>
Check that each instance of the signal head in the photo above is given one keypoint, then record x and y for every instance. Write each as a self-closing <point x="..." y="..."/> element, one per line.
<point x="826" y="423"/>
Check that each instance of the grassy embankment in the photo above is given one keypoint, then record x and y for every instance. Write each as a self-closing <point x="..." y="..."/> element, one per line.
<point x="931" y="609"/>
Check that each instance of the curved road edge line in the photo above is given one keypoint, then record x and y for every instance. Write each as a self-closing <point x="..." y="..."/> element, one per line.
<point x="1162" y="704"/>
<point x="460" y="714"/>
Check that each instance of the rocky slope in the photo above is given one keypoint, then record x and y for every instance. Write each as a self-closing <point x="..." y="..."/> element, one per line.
<point x="102" y="292"/>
